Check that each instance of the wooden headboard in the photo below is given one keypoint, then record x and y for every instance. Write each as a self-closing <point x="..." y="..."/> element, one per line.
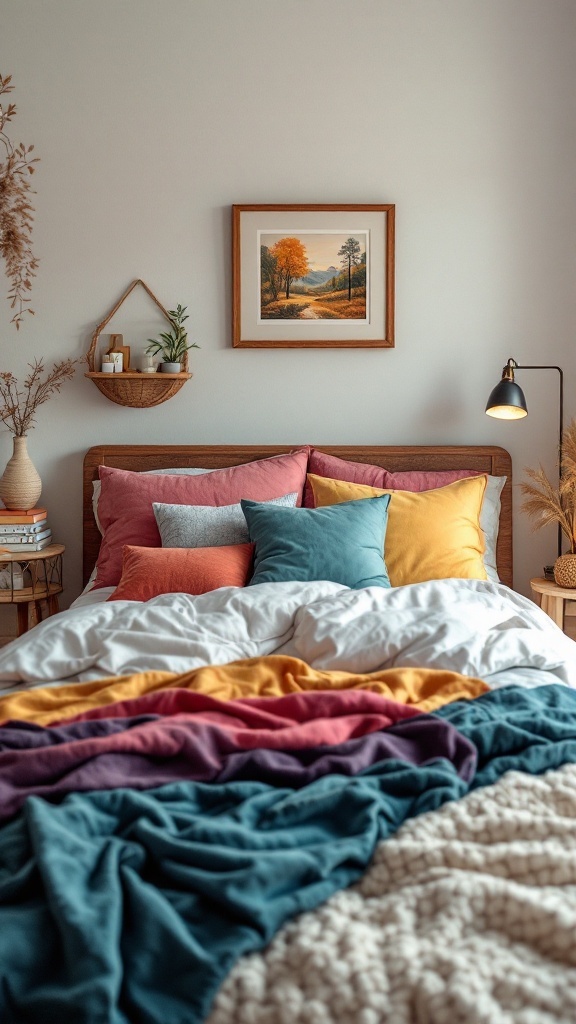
<point x="139" y="458"/>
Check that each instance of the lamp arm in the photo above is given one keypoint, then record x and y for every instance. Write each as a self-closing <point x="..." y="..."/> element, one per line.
<point x="516" y="366"/>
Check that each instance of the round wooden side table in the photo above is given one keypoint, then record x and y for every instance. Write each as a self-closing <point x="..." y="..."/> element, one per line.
<point x="29" y="579"/>
<point x="552" y="598"/>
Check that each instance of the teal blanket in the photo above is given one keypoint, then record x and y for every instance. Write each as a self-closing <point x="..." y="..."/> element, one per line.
<point x="131" y="907"/>
<point x="128" y="906"/>
<point x="532" y="730"/>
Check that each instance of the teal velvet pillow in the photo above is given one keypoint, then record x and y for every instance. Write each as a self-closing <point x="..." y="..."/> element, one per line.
<point x="343" y="543"/>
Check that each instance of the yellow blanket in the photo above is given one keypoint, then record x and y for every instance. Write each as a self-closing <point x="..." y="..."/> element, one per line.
<point x="271" y="676"/>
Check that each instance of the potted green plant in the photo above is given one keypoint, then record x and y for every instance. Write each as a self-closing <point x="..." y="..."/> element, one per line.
<point x="172" y="346"/>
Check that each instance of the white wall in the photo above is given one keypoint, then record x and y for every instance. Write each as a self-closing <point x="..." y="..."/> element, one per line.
<point x="151" y="117"/>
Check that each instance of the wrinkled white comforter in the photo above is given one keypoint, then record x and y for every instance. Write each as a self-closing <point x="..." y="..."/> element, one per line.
<point x="474" y="627"/>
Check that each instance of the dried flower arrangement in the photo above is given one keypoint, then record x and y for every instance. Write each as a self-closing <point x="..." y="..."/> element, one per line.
<point x="18" y="408"/>
<point x="16" y="213"/>
<point x="555" y="503"/>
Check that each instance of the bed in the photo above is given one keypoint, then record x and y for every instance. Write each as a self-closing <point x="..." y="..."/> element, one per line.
<point x="270" y="795"/>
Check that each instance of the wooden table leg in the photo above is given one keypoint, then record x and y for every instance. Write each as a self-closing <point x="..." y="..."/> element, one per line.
<point x="22" y="618"/>
<point x="554" y="607"/>
<point x="31" y="612"/>
<point x="556" y="610"/>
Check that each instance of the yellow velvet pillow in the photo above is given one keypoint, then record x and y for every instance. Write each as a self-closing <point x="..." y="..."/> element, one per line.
<point x="431" y="535"/>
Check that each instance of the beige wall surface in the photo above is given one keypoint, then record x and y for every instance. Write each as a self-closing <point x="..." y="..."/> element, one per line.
<point x="151" y="117"/>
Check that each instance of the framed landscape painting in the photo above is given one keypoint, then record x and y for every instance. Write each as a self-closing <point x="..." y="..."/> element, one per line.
<point x="313" y="276"/>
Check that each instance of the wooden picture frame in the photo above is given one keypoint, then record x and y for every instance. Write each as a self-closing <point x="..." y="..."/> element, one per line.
<point x="313" y="276"/>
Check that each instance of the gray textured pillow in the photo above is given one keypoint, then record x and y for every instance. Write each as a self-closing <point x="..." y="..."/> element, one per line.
<point x="206" y="526"/>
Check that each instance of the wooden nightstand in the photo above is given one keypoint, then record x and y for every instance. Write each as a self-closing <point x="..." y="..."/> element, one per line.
<point x="35" y="578"/>
<point x="553" y="599"/>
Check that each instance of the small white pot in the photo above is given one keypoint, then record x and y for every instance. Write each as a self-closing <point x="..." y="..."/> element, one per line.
<point x="170" y="367"/>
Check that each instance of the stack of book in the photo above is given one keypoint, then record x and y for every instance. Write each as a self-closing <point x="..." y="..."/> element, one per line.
<point x="24" y="531"/>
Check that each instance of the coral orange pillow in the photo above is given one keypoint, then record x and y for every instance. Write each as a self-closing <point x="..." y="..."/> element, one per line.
<point x="431" y="535"/>
<point x="148" y="572"/>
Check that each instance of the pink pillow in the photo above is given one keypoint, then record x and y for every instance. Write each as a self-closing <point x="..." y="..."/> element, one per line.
<point x="427" y="479"/>
<point x="148" y="572"/>
<point x="321" y="464"/>
<point x="125" y="506"/>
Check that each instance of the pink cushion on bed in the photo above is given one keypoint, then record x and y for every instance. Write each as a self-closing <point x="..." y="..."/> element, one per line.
<point x="321" y="464"/>
<point x="148" y="572"/>
<point x="427" y="480"/>
<point x="125" y="506"/>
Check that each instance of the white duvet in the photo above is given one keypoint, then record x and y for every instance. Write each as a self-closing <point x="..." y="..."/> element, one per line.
<point x="474" y="627"/>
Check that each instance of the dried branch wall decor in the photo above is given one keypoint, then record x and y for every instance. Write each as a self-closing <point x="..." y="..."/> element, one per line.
<point x="16" y="213"/>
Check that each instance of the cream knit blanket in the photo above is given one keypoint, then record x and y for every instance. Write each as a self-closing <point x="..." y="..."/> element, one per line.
<point x="468" y="914"/>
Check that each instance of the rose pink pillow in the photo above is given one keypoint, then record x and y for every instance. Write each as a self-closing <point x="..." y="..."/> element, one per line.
<point x="427" y="479"/>
<point x="125" y="506"/>
<point x="321" y="464"/>
<point x="148" y="572"/>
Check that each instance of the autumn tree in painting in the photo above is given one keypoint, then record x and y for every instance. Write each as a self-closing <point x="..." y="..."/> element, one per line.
<point x="350" y="253"/>
<point x="269" y="271"/>
<point x="291" y="261"/>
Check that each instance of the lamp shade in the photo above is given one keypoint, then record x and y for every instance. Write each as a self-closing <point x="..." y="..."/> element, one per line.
<point x="506" y="401"/>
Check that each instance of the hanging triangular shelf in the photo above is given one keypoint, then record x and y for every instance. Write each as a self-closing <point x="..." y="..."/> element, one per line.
<point x="133" y="389"/>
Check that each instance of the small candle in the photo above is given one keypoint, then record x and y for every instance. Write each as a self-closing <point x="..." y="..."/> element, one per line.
<point x="147" y="364"/>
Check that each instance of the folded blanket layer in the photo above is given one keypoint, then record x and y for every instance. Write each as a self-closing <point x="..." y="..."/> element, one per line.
<point x="286" y="741"/>
<point x="271" y="676"/>
<point x="516" y="729"/>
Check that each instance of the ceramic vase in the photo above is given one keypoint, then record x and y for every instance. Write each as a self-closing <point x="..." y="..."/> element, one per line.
<point x="565" y="571"/>
<point x="21" y="486"/>
<point x="170" y="367"/>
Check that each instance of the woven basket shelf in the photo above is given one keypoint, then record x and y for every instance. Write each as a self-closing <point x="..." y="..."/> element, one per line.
<point x="139" y="390"/>
<point x="130" y="388"/>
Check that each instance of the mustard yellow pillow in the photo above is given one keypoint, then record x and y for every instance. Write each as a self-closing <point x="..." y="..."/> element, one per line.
<point x="431" y="535"/>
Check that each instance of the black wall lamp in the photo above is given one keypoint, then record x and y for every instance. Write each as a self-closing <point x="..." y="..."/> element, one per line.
<point x="507" y="402"/>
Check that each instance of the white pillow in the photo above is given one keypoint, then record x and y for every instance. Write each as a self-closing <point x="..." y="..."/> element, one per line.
<point x="489" y="523"/>
<point x="206" y="526"/>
